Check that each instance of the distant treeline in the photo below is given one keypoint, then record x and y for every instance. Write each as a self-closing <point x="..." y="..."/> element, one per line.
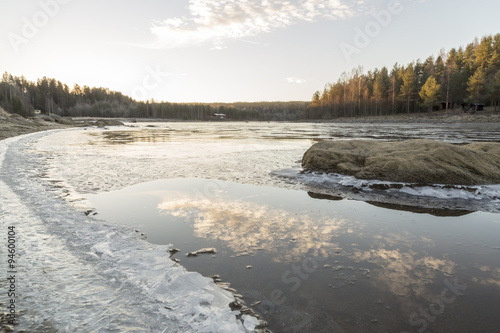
<point x="262" y="111"/>
<point x="18" y="95"/>
<point x="463" y="75"/>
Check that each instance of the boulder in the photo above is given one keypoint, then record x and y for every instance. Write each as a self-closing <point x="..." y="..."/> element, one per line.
<point x="410" y="161"/>
<point x="65" y="121"/>
<point x="3" y="113"/>
<point x="209" y="250"/>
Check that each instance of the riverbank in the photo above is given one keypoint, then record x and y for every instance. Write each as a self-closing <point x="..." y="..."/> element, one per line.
<point x="435" y="117"/>
<point x="14" y="124"/>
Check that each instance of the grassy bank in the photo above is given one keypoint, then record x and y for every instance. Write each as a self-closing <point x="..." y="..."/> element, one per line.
<point x="13" y="124"/>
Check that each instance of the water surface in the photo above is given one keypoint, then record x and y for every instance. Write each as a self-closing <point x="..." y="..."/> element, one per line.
<point x="389" y="261"/>
<point x="321" y="265"/>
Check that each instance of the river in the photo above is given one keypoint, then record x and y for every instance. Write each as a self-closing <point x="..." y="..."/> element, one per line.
<point x="306" y="252"/>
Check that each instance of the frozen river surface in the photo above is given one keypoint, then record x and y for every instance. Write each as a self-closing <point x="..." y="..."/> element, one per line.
<point x="293" y="245"/>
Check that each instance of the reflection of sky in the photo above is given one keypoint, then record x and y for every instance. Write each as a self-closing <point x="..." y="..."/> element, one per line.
<point x="365" y="254"/>
<point x="492" y="280"/>
<point x="246" y="227"/>
<point x="401" y="265"/>
<point x="405" y="272"/>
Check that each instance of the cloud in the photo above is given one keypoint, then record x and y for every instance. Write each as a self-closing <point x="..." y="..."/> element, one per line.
<point x="295" y="80"/>
<point x="217" y="21"/>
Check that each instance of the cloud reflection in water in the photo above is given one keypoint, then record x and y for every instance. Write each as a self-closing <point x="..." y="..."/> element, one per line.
<point x="246" y="227"/>
<point x="288" y="237"/>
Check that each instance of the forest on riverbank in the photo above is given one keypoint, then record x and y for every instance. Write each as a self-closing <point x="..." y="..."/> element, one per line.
<point x="49" y="96"/>
<point x="468" y="74"/>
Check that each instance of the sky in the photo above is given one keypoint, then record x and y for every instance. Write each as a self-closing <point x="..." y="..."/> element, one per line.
<point x="228" y="50"/>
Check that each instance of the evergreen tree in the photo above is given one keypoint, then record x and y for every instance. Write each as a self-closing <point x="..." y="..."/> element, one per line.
<point x="409" y="86"/>
<point x="430" y="93"/>
<point x="394" y="86"/>
<point x="18" y="106"/>
<point x="476" y="86"/>
<point x="316" y="100"/>
<point x="494" y="89"/>
<point x="483" y="52"/>
<point x="380" y="87"/>
<point x="428" y="69"/>
<point x="493" y="63"/>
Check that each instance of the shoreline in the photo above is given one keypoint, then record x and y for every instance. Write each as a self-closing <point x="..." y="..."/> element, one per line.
<point x="14" y="125"/>
<point x="453" y="116"/>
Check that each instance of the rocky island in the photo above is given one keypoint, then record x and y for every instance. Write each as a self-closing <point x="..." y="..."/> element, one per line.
<point x="411" y="161"/>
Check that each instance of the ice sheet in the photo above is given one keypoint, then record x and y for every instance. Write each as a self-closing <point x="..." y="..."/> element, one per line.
<point x="99" y="160"/>
<point x="481" y="197"/>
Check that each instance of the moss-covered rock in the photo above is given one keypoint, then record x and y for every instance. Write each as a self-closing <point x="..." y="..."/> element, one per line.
<point x="414" y="161"/>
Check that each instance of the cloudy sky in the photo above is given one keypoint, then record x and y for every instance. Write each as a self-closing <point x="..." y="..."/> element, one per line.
<point x="228" y="50"/>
